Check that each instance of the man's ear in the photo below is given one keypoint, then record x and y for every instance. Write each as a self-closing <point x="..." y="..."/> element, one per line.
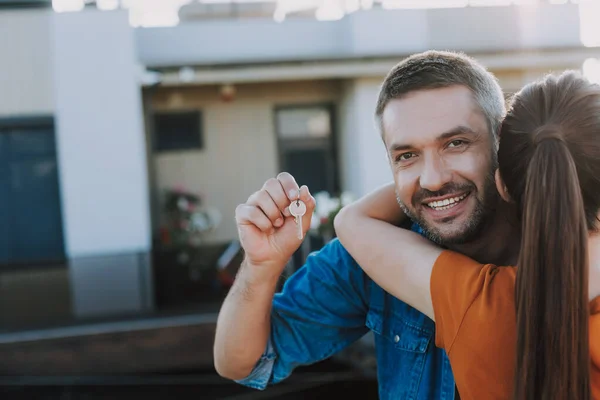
<point x="501" y="187"/>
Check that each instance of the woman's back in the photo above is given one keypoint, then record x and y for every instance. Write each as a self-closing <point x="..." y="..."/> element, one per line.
<point x="474" y="307"/>
<point x="549" y="167"/>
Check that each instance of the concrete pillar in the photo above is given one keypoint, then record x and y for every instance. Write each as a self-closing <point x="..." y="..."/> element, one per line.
<point x="102" y="159"/>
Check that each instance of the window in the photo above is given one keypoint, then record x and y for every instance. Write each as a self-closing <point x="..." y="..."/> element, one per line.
<point x="177" y="131"/>
<point x="307" y="145"/>
<point x="309" y="122"/>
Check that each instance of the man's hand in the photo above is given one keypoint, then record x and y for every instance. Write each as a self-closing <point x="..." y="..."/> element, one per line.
<point x="269" y="236"/>
<point x="267" y="231"/>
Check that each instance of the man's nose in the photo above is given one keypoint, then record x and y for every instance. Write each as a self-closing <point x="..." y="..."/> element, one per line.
<point x="435" y="175"/>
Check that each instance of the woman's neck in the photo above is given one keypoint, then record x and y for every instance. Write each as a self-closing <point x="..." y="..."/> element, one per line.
<point x="594" y="260"/>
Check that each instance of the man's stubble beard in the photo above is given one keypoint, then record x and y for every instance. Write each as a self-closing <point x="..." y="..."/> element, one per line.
<point x="477" y="222"/>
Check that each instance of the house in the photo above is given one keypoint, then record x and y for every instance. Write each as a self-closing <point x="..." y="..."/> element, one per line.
<point x="101" y="111"/>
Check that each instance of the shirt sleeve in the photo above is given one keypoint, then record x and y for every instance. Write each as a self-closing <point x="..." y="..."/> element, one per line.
<point x="321" y="309"/>
<point x="595" y="334"/>
<point x="456" y="280"/>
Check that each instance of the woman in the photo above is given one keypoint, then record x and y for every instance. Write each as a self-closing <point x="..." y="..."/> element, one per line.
<point x="523" y="332"/>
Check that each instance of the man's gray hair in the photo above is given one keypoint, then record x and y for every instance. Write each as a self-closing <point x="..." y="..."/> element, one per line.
<point x="438" y="69"/>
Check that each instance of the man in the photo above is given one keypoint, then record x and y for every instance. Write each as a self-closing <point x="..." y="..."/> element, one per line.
<point x="439" y="115"/>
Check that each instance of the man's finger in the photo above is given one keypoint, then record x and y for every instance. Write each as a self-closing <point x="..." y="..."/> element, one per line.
<point x="265" y="203"/>
<point x="307" y="198"/>
<point x="289" y="185"/>
<point x="277" y="192"/>
<point x="251" y="215"/>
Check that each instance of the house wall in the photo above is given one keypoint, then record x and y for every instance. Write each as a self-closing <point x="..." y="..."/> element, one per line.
<point x="26" y="83"/>
<point x="240" y="144"/>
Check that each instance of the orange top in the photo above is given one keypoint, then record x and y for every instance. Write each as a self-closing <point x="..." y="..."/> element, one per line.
<point x="475" y="321"/>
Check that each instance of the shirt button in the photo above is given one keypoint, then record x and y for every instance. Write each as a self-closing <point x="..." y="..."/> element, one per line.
<point x="396" y="339"/>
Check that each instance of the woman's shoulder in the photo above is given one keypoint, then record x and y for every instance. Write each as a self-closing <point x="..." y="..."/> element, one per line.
<point x="454" y="262"/>
<point x="471" y="280"/>
<point x="459" y="279"/>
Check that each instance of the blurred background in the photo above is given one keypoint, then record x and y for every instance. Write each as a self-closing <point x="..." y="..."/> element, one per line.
<point x="131" y="129"/>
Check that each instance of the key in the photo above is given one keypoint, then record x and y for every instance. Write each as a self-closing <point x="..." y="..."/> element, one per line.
<point x="298" y="209"/>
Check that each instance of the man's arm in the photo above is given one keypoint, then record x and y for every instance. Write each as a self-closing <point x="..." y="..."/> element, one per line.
<point x="243" y="325"/>
<point x="321" y="309"/>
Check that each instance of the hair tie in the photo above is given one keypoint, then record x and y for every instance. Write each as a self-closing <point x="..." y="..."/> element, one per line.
<point x="548" y="133"/>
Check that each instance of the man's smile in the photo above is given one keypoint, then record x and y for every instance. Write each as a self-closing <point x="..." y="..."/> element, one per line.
<point x="446" y="202"/>
<point x="449" y="206"/>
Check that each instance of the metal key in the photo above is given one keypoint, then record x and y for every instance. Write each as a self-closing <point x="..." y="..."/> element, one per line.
<point x="298" y="209"/>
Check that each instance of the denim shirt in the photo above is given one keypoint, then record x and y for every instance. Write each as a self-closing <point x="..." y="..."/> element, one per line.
<point x="328" y="304"/>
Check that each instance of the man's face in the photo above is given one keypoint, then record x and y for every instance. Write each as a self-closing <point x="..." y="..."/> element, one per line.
<point x="443" y="160"/>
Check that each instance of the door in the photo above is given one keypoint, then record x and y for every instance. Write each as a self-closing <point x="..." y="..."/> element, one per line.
<point x="307" y="146"/>
<point x="30" y="213"/>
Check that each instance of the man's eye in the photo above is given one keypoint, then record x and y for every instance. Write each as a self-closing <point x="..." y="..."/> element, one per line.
<point x="405" y="156"/>
<point x="456" y="143"/>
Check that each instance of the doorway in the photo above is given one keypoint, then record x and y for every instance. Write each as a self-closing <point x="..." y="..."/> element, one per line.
<point x="306" y="142"/>
<point x="31" y="228"/>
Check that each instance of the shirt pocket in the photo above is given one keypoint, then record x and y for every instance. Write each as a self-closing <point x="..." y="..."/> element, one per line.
<point x="402" y="333"/>
<point x="401" y="346"/>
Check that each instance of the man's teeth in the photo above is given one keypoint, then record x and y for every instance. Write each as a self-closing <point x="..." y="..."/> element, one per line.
<point x="446" y="203"/>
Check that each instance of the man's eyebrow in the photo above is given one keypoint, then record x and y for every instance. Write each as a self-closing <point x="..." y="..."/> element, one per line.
<point x="400" y="147"/>
<point x="458" y="130"/>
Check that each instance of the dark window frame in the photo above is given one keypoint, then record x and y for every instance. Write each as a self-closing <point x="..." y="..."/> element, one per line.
<point x="200" y="136"/>
<point x="17" y="4"/>
<point x="42" y="121"/>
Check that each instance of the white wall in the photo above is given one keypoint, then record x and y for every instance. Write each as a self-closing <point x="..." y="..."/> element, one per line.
<point x="364" y="164"/>
<point x="100" y="135"/>
<point x="26" y="86"/>
<point x="349" y="152"/>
